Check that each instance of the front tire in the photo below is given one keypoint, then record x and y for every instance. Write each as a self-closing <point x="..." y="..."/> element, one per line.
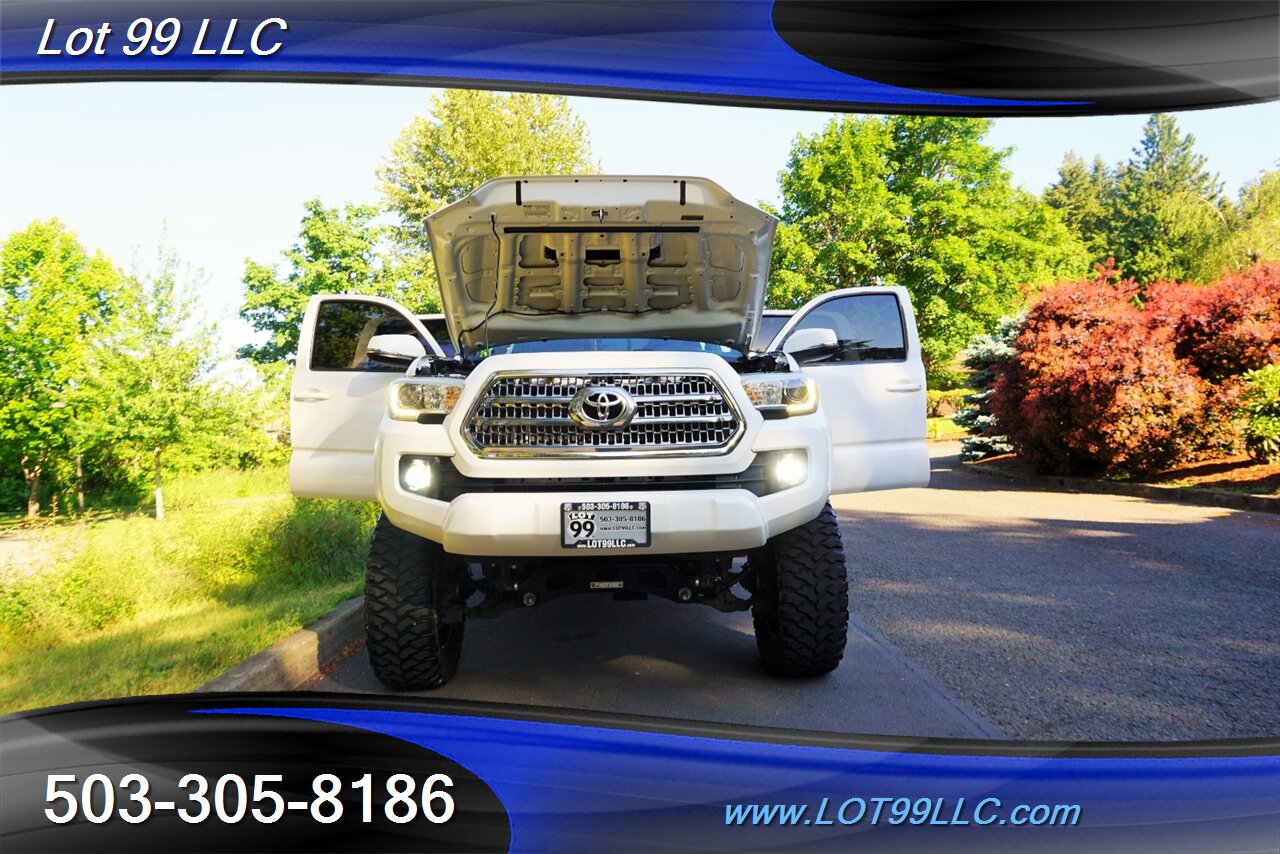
<point x="801" y="600"/>
<point x="409" y="583"/>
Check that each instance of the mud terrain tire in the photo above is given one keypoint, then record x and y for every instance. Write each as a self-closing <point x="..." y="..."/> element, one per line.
<point x="408" y="583"/>
<point x="801" y="602"/>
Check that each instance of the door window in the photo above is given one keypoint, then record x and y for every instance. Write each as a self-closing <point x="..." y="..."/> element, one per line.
<point x="343" y="330"/>
<point x="868" y="327"/>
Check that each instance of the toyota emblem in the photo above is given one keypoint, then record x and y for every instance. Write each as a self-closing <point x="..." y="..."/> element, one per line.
<point x="602" y="407"/>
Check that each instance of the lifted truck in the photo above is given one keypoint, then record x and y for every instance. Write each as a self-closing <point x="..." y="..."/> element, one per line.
<point x="610" y="422"/>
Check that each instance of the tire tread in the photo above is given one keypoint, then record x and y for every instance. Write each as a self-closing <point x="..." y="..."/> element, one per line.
<point x="400" y="610"/>
<point x="802" y="610"/>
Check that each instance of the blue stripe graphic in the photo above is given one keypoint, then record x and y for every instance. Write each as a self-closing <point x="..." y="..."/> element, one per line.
<point x="725" y="48"/>
<point x="570" y="787"/>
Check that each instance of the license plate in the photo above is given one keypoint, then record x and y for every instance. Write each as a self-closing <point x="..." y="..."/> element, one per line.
<point x="604" y="524"/>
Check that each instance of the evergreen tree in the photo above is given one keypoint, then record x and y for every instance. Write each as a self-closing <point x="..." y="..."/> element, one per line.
<point x="985" y="439"/>
<point x="1168" y="209"/>
<point x="1081" y="195"/>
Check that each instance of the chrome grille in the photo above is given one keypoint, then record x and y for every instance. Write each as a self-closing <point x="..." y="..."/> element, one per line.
<point x="528" y="414"/>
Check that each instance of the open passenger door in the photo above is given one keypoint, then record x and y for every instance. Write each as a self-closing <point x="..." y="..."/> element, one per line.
<point x="871" y="386"/>
<point x="340" y="390"/>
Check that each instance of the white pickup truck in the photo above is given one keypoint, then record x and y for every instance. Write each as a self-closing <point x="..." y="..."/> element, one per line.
<point x="609" y="421"/>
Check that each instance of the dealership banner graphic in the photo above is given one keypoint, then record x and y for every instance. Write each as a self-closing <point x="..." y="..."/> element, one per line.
<point x="983" y="58"/>
<point x="320" y="772"/>
<point x="329" y="773"/>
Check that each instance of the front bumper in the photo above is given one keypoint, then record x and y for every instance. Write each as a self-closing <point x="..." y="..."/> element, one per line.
<point x="527" y="524"/>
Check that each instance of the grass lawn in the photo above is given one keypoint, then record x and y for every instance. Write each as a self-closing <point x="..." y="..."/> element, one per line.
<point x="944" y="428"/>
<point x="129" y="606"/>
<point x="182" y="491"/>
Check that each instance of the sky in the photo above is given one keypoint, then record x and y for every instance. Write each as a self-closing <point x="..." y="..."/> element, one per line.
<point x="221" y="169"/>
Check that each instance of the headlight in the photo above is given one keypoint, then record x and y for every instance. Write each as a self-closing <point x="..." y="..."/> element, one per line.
<point x="410" y="398"/>
<point x="779" y="395"/>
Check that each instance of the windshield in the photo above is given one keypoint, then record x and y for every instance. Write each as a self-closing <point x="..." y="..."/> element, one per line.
<point x="435" y="324"/>
<point x="770" y="326"/>
<point x="613" y="345"/>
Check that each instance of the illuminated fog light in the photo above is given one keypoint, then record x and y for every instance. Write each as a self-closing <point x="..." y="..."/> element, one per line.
<point x="790" y="470"/>
<point x="416" y="476"/>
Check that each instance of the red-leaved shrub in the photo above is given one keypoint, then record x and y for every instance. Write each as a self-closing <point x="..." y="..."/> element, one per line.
<point x="1224" y="329"/>
<point x="1113" y="379"/>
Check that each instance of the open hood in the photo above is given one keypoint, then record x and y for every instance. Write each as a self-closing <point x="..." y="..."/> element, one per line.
<point x="588" y="256"/>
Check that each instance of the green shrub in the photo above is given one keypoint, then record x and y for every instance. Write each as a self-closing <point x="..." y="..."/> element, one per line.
<point x="947" y="379"/>
<point x="940" y="403"/>
<point x="67" y="601"/>
<point x="1260" y="404"/>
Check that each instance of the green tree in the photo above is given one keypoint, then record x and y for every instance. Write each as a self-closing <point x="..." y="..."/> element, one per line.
<point x="1254" y="230"/>
<point x="55" y="300"/>
<point x="472" y="136"/>
<point x="339" y="250"/>
<point x="1168" y="210"/>
<point x="917" y="201"/>
<point x="469" y="137"/>
<point x="242" y="425"/>
<point x="839" y="218"/>
<point x="149" y="386"/>
<point x="1081" y="195"/>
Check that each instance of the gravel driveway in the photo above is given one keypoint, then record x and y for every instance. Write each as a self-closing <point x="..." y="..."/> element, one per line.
<point x="23" y="552"/>
<point x="1075" y="616"/>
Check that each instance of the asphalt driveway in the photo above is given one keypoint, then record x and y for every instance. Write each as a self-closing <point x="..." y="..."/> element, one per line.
<point x="1070" y="615"/>
<point x="980" y="609"/>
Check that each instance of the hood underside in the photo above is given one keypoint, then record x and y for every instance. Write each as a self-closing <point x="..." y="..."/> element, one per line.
<point x="532" y="258"/>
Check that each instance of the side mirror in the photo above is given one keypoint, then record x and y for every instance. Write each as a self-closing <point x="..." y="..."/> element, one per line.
<point x="395" y="349"/>
<point x="811" y="343"/>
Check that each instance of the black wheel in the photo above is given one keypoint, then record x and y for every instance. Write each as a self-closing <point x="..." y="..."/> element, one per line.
<point x="409" y="584"/>
<point x="801" y="601"/>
